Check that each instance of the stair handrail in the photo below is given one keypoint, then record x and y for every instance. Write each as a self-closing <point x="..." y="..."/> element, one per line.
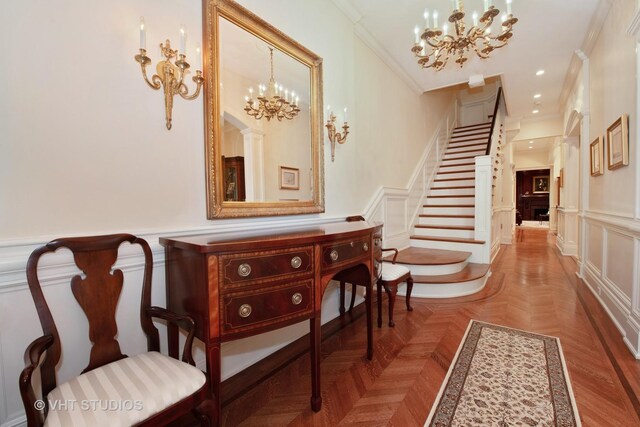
<point x="493" y="119"/>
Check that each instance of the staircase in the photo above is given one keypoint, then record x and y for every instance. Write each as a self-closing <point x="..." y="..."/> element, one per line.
<point x="443" y="247"/>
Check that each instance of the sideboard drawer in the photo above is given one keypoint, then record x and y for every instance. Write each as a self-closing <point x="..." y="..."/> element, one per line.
<point x="265" y="306"/>
<point x="264" y="266"/>
<point x="337" y="254"/>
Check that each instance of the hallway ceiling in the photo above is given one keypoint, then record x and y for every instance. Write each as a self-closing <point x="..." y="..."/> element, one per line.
<point x="546" y="37"/>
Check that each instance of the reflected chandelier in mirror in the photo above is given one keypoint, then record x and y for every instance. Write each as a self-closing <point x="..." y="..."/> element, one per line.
<point x="244" y="154"/>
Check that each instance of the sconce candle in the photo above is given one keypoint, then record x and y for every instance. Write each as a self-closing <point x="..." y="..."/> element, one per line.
<point x="183" y="40"/>
<point x="143" y="34"/>
<point x="198" y="57"/>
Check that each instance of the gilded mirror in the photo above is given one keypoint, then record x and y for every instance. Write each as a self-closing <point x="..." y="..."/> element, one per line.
<point x="263" y="117"/>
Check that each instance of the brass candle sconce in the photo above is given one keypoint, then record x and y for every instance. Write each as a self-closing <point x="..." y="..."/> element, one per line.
<point x="334" y="136"/>
<point x="170" y="75"/>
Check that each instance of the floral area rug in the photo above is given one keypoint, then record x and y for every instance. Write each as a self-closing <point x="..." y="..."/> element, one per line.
<point x="505" y="377"/>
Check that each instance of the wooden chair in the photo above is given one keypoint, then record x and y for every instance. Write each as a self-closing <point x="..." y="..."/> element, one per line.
<point x="148" y="389"/>
<point x="391" y="276"/>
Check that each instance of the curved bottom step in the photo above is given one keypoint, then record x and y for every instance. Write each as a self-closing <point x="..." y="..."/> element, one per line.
<point x="445" y="290"/>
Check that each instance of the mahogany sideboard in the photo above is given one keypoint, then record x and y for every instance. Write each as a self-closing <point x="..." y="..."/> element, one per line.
<point x="241" y="284"/>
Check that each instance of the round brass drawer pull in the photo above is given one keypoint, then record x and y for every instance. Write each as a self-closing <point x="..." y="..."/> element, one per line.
<point x="334" y="255"/>
<point x="365" y="246"/>
<point x="244" y="310"/>
<point x="244" y="270"/>
<point x="296" y="262"/>
<point x="296" y="298"/>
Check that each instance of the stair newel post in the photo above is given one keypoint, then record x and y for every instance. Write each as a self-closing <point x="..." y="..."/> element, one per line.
<point x="483" y="205"/>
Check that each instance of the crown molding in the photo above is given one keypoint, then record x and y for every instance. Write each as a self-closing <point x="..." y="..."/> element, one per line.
<point x="590" y="39"/>
<point x="350" y="11"/>
<point x="634" y="27"/>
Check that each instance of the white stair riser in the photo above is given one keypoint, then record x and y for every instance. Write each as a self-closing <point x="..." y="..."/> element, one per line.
<point x="445" y="290"/>
<point x="468" y="140"/>
<point x="452" y="191"/>
<point x="451" y="201"/>
<point x="469" y="175"/>
<point x="474" y="153"/>
<point x="448" y="168"/>
<point x="462" y="159"/>
<point x="445" y="221"/>
<point x="448" y="211"/>
<point x="465" y="182"/>
<point x="470" y="131"/>
<point x="444" y="232"/>
<point x="475" y="249"/>
<point x="474" y="147"/>
<point x="435" y="270"/>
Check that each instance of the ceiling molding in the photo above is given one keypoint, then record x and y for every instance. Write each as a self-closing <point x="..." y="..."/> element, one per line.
<point x="595" y="26"/>
<point x="634" y="27"/>
<point x="367" y="38"/>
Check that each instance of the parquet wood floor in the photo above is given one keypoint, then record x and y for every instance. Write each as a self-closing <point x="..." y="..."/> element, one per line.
<point x="532" y="288"/>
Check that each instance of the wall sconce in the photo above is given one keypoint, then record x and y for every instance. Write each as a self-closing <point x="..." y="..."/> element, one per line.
<point x="334" y="136"/>
<point x="170" y="76"/>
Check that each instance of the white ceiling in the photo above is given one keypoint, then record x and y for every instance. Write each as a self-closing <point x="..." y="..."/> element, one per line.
<point x="534" y="144"/>
<point x="546" y="37"/>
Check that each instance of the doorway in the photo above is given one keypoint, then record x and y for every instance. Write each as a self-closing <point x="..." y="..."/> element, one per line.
<point x="532" y="197"/>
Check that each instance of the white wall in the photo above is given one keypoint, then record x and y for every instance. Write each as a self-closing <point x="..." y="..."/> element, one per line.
<point x="85" y="151"/>
<point x="610" y="222"/>
<point x="531" y="159"/>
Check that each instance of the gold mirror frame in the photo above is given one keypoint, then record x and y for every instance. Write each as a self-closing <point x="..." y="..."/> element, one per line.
<point x="217" y="207"/>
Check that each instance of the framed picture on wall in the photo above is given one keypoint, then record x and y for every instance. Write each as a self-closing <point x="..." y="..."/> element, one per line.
<point x="618" y="143"/>
<point x="541" y="184"/>
<point x="597" y="157"/>
<point x="289" y="178"/>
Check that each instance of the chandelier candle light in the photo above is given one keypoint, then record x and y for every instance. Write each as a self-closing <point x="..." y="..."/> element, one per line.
<point x="274" y="104"/>
<point x="170" y="76"/>
<point x="443" y="44"/>
<point x="334" y="136"/>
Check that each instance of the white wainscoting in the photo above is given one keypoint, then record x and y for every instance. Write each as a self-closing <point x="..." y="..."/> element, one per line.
<point x="19" y="323"/>
<point x="611" y="271"/>
<point x="568" y="231"/>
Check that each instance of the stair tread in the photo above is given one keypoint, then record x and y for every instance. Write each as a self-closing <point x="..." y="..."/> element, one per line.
<point x="472" y="132"/>
<point x="471" y="272"/>
<point x="449" y="239"/>
<point x="453" y="179"/>
<point x="464" y="146"/>
<point x="445" y="216"/>
<point x="448" y="206"/>
<point x="461" y="152"/>
<point x="459" y="158"/>
<point x="448" y="227"/>
<point x="488" y="124"/>
<point x="461" y="140"/>
<point x="453" y="196"/>
<point x="454" y="187"/>
<point x="450" y="172"/>
<point x="456" y="165"/>
<point x="425" y="256"/>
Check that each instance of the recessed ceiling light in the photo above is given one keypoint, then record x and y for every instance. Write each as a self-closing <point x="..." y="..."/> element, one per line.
<point x="537" y="96"/>
<point x="535" y="111"/>
<point x="539" y="72"/>
<point x="530" y="142"/>
<point x="530" y="148"/>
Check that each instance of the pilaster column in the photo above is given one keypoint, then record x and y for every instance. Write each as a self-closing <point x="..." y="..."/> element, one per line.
<point x="585" y="160"/>
<point x="570" y="195"/>
<point x="253" y="164"/>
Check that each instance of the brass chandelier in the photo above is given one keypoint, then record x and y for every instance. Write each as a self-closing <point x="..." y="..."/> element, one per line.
<point x="277" y="103"/>
<point x="478" y="38"/>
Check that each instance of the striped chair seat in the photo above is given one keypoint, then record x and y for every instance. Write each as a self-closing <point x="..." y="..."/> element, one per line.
<point x="124" y="392"/>
<point x="392" y="272"/>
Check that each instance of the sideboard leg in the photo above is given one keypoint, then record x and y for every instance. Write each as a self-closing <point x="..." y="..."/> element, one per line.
<point x="369" y="303"/>
<point x="213" y="372"/>
<point x="316" y="328"/>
